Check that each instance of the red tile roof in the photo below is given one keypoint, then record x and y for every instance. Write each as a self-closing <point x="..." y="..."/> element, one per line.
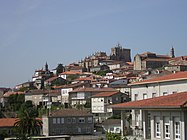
<point x="7" y="122"/>
<point x="169" y="77"/>
<point x="51" y="79"/>
<point x="174" y="101"/>
<point x="85" y="89"/>
<point x="84" y="79"/>
<point x="7" y="94"/>
<point x="105" y="94"/>
<point x="70" y="73"/>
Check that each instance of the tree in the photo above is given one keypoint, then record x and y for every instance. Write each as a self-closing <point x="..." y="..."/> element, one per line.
<point x="15" y="101"/>
<point x="60" y="68"/>
<point x="27" y="125"/>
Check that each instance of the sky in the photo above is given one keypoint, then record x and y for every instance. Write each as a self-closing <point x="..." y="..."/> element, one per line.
<point x="33" y="32"/>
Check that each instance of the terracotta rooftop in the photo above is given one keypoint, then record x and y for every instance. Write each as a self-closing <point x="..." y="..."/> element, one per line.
<point x="172" y="101"/>
<point x="179" y="58"/>
<point x="165" y="78"/>
<point x="70" y="73"/>
<point x="7" y="94"/>
<point x="105" y="94"/>
<point x="84" y="79"/>
<point x="51" y="79"/>
<point x="9" y="122"/>
<point x="69" y="86"/>
<point x="85" y="89"/>
<point x="69" y="112"/>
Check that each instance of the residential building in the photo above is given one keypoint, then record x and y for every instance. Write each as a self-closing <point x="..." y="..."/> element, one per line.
<point x="100" y="104"/>
<point x="112" y="126"/>
<point x="162" y="118"/>
<point x="6" y="125"/>
<point x="43" y="97"/>
<point x="68" y="121"/>
<point x="176" y="68"/>
<point x="122" y="86"/>
<point x="54" y="81"/>
<point x="67" y="88"/>
<point x="180" y="60"/>
<point x="67" y="74"/>
<point x="4" y="98"/>
<point x="83" y="95"/>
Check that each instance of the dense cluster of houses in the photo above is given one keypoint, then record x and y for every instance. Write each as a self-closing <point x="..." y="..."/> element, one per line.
<point x="149" y="94"/>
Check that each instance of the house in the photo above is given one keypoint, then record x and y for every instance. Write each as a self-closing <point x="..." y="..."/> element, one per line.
<point x="67" y="88"/>
<point x="5" y="96"/>
<point x="121" y="85"/>
<point x="175" y="68"/>
<point x="149" y="60"/>
<point x="162" y="118"/>
<point x="7" y="126"/>
<point x="112" y="125"/>
<point x="42" y="97"/>
<point x="40" y="76"/>
<point x="68" y="121"/>
<point x="67" y="74"/>
<point x="26" y="85"/>
<point x="54" y="81"/>
<point x="100" y="104"/>
<point x="83" y="95"/>
<point x="180" y="60"/>
<point x="2" y="91"/>
<point x="155" y="87"/>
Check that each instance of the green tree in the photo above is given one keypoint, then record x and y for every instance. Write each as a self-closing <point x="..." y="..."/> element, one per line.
<point x="113" y="136"/>
<point x="15" y="101"/>
<point x="27" y="125"/>
<point x="60" y="68"/>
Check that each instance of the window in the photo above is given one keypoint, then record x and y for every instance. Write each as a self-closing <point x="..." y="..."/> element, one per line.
<point x="136" y="97"/>
<point x="165" y="93"/>
<point x="112" y="129"/>
<point x="73" y="120"/>
<point x="81" y="120"/>
<point x="88" y="129"/>
<point x="58" y="120"/>
<point x="62" y="120"/>
<point x="54" y="120"/>
<point x="68" y="120"/>
<point x="89" y="119"/>
<point x="157" y="127"/>
<point x="144" y="96"/>
<point x="137" y="117"/>
<point x="174" y="92"/>
<point x="153" y="95"/>
<point x="177" y="128"/>
<point x="166" y="128"/>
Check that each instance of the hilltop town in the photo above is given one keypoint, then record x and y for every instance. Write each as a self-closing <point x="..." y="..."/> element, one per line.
<point x="143" y="97"/>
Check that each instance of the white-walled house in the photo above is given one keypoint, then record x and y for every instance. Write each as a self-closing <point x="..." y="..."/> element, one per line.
<point x="156" y="87"/>
<point x="66" y="89"/>
<point x="83" y="95"/>
<point x="100" y="104"/>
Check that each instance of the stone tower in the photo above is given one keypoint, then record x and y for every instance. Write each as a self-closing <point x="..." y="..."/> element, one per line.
<point x="172" y="52"/>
